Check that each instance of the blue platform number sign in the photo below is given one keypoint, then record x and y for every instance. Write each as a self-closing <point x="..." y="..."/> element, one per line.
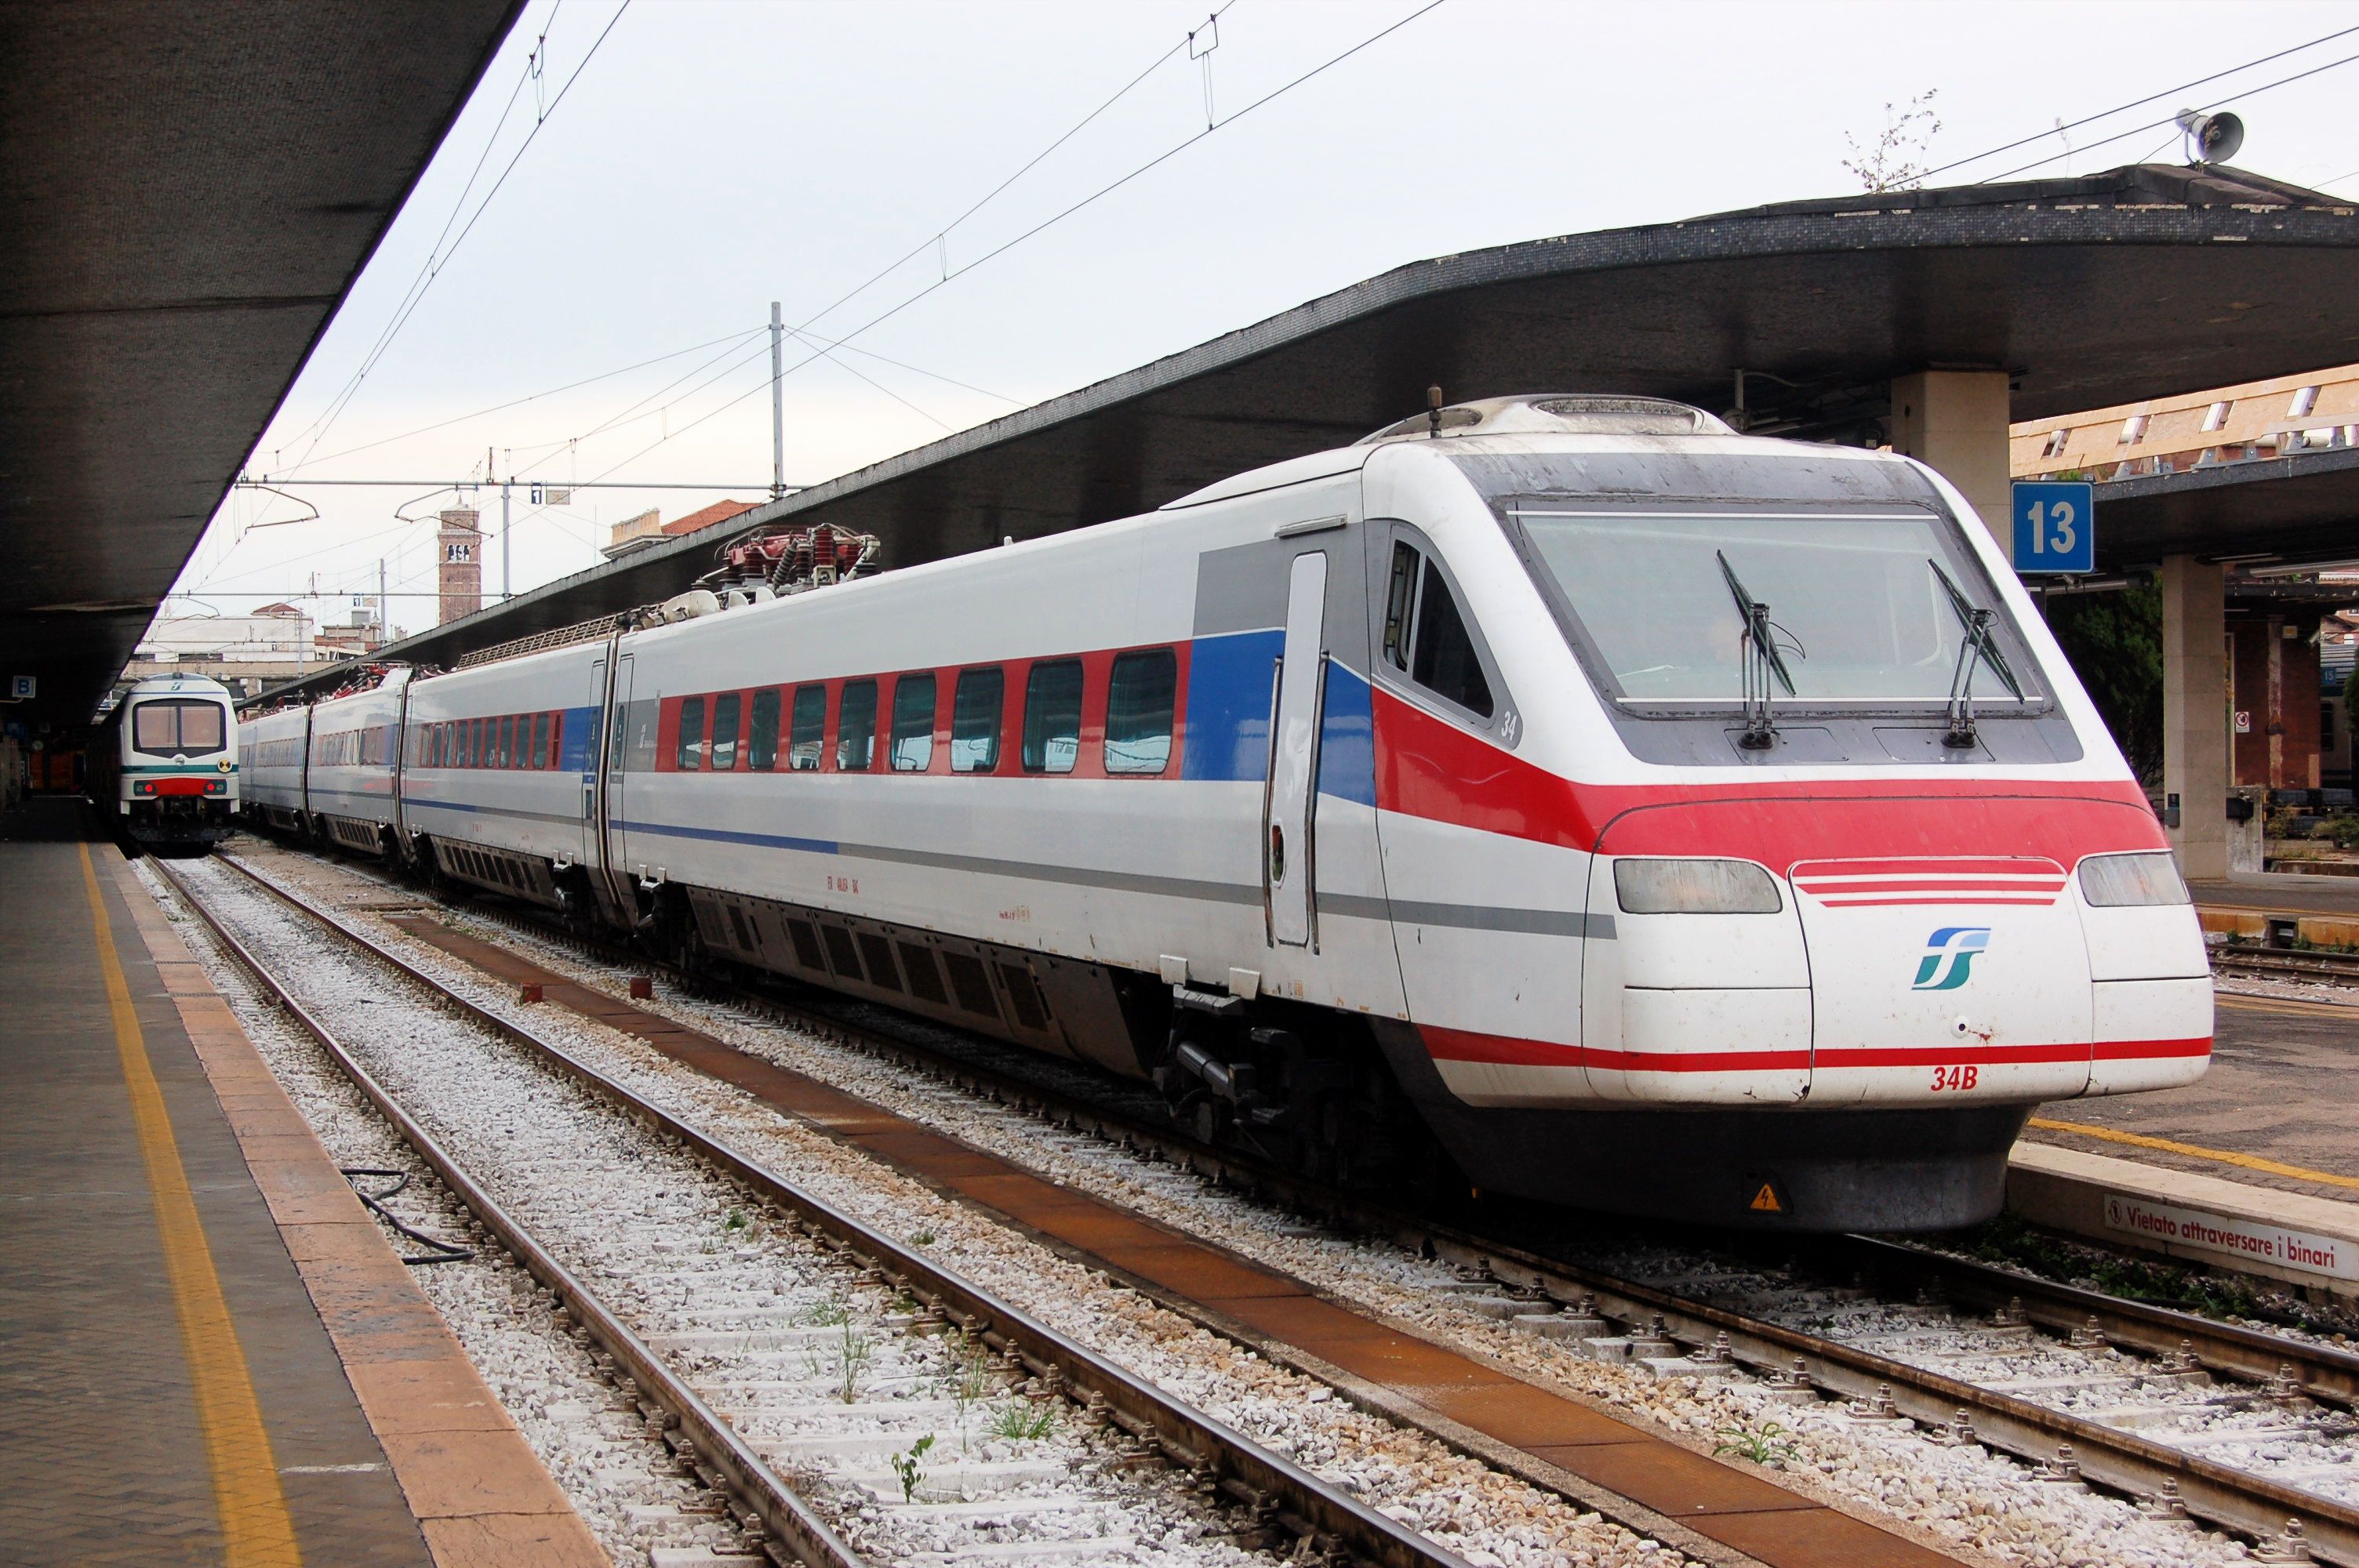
<point x="2055" y="528"/>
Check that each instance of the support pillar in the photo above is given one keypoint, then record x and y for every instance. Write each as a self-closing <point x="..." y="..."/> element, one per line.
<point x="2195" y="714"/>
<point x="1955" y="422"/>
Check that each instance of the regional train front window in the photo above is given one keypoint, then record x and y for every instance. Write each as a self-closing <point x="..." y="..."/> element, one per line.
<point x="1858" y="602"/>
<point x="167" y="727"/>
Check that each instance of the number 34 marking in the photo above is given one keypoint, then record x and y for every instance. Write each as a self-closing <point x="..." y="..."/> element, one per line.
<point x="1954" y="1078"/>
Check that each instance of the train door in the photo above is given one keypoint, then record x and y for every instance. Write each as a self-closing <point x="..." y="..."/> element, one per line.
<point x="1287" y="865"/>
<point x="592" y="760"/>
<point x="613" y="816"/>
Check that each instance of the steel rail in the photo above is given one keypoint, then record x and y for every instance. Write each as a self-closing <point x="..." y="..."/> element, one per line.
<point x="2243" y="1502"/>
<point x="2286" y="961"/>
<point x="1221" y="1459"/>
<point x="706" y="1440"/>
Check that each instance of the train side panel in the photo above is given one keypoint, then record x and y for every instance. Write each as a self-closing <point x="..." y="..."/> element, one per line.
<point x="354" y="746"/>
<point x="498" y="766"/>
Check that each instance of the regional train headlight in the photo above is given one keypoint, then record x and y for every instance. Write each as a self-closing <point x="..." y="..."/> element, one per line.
<point x="2119" y="881"/>
<point x="1695" y="887"/>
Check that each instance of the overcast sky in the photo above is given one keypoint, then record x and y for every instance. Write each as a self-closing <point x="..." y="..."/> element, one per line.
<point x="712" y="158"/>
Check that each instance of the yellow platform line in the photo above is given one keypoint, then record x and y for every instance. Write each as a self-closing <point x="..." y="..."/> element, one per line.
<point x="256" y="1531"/>
<point x="2227" y="1157"/>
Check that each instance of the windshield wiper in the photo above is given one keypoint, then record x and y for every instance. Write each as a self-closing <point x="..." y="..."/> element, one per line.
<point x="1760" y="662"/>
<point x="1976" y="647"/>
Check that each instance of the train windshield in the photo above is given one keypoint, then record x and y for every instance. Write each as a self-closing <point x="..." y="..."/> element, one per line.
<point x="1859" y="604"/>
<point x="177" y="727"/>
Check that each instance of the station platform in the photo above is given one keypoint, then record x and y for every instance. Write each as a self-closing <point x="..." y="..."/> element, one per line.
<point x="213" y="1354"/>
<point x="2325" y="909"/>
<point x="2251" y="1167"/>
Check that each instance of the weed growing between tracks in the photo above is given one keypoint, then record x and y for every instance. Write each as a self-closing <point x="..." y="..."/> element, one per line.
<point x="1764" y="1447"/>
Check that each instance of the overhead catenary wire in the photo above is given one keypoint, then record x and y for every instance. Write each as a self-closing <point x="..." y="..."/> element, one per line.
<point x="951" y="275"/>
<point x="731" y="338"/>
<point x="939" y="236"/>
<point x="2235" y="97"/>
<point x="436" y="263"/>
<point x="2059" y="130"/>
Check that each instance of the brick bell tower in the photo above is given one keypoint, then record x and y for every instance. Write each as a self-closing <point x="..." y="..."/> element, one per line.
<point x="462" y="569"/>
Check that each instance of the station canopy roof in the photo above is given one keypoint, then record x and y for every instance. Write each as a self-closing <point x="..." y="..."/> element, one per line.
<point x="2089" y="290"/>
<point x="2299" y="508"/>
<point x="186" y="195"/>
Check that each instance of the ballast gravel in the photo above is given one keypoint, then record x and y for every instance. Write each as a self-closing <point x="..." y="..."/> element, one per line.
<point x="519" y="1122"/>
<point x="1964" y="1497"/>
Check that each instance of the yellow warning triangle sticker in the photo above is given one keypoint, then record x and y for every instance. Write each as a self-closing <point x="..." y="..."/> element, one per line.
<point x="1765" y="1200"/>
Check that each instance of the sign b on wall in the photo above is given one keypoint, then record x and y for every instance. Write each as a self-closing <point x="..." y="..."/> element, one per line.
<point x="21" y="688"/>
<point x="2055" y="527"/>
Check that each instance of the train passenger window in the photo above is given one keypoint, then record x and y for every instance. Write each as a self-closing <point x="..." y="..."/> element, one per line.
<point x="724" y="732"/>
<point x="974" y="720"/>
<point x="913" y="723"/>
<point x="1139" y="711"/>
<point x="855" y="726"/>
<point x="1445" y="661"/>
<point x="809" y="733"/>
<point x="556" y="740"/>
<point x="506" y="756"/>
<point x="1052" y="717"/>
<point x="476" y="729"/>
<point x="690" y="756"/>
<point x="539" y="757"/>
<point x="762" y="745"/>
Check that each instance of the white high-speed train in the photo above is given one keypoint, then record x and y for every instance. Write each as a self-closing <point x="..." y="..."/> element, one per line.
<point x="1656" y="818"/>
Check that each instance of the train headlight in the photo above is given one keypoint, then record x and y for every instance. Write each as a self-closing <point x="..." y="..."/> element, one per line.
<point x="1695" y="887"/>
<point x="2118" y="882"/>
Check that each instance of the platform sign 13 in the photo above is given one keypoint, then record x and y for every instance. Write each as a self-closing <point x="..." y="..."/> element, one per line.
<point x="2055" y="527"/>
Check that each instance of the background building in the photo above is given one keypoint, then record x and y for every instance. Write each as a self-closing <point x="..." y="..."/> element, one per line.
<point x="460" y="579"/>
<point x="2288" y="632"/>
<point x="633" y="533"/>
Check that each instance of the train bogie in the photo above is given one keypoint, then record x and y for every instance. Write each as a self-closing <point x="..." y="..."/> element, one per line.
<point x="1653" y="818"/>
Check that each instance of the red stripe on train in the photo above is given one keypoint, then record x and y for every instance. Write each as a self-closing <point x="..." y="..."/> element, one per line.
<point x="1429" y="767"/>
<point x="1466" y="1045"/>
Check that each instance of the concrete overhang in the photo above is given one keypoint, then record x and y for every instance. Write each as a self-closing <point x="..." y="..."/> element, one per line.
<point x="2301" y="507"/>
<point x="186" y="195"/>
<point x="2140" y="281"/>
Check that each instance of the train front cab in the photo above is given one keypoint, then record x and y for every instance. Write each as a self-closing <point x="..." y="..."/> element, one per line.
<point x="176" y="763"/>
<point x="1826" y="964"/>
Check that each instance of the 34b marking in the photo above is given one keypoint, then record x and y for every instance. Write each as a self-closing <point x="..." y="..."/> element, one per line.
<point x="1954" y="1078"/>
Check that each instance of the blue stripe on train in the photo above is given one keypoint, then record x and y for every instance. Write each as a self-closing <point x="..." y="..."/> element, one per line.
<point x="579" y="754"/>
<point x="1228" y="716"/>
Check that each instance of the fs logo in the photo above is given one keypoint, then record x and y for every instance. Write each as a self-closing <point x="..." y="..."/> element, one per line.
<point x="1949" y="954"/>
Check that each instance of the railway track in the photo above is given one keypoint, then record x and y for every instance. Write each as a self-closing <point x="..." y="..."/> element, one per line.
<point x="2286" y="962"/>
<point x="1273" y="1501"/>
<point x="1677" y="1326"/>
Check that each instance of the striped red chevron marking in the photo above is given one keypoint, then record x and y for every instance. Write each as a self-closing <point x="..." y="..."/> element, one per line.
<point x="1886" y="882"/>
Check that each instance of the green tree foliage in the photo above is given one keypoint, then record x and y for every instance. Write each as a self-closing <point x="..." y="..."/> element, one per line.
<point x="2114" y="641"/>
